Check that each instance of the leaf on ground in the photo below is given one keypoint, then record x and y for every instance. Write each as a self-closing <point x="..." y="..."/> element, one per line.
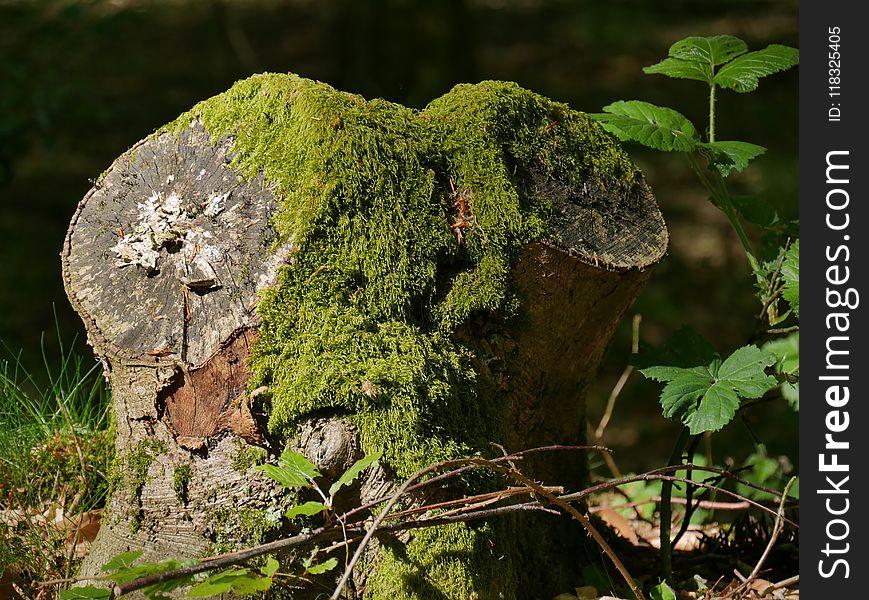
<point x="742" y="73"/>
<point x="727" y="156"/>
<point x="654" y="126"/>
<point x="790" y="272"/>
<point x="351" y="473"/>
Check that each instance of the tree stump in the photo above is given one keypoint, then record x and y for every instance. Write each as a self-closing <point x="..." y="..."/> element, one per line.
<point x="290" y="265"/>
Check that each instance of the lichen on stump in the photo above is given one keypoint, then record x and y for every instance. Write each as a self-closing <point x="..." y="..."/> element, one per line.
<point x="291" y="264"/>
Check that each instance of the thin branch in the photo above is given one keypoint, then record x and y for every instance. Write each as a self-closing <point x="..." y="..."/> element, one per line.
<point x="779" y="525"/>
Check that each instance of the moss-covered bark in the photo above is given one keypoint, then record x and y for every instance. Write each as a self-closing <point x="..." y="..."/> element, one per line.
<point x="449" y="278"/>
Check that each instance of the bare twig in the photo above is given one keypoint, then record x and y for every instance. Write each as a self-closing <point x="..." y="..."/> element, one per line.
<point x="620" y="384"/>
<point x="355" y="531"/>
<point x="777" y="529"/>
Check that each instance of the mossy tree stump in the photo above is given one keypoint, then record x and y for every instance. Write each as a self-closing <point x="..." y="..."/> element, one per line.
<point x="287" y="264"/>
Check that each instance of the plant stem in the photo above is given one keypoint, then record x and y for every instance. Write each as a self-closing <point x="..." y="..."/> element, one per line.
<point x="721" y="198"/>
<point x="711" y="113"/>
<point x="666" y="508"/>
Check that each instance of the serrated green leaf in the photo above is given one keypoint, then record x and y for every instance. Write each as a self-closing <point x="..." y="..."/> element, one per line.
<point x="727" y="156"/>
<point x="679" y="69"/>
<point x="716" y="409"/>
<point x="791" y="393"/>
<point x="654" y="126"/>
<point x="686" y="348"/>
<point x="85" y="592"/>
<point x="744" y="371"/>
<point x="251" y="585"/>
<point x="293" y="470"/>
<point x="680" y="396"/>
<point x="219" y="583"/>
<point x="714" y="50"/>
<point x="787" y="353"/>
<point x="790" y="272"/>
<point x="742" y="73"/>
<point x="706" y="398"/>
<point x="307" y="509"/>
<point x="271" y="567"/>
<point x="696" y="57"/>
<point x="662" y="591"/>
<point x="323" y="566"/>
<point x="124" y="560"/>
<point x="351" y="473"/>
<point x="755" y="210"/>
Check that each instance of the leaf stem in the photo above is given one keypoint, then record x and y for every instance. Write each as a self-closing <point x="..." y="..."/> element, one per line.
<point x="721" y="198"/>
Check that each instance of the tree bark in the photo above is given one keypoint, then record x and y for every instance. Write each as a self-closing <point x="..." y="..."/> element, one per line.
<point x="166" y="259"/>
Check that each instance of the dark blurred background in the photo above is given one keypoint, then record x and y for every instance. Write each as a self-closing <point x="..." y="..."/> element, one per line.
<point x="82" y="81"/>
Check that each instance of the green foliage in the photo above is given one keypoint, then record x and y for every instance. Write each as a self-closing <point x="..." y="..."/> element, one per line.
<point x="767" y="471"/>
<point x="742" y="74"/>
<point x="701" y="390"/>
<point x="654" y="126"/>
<point x="730" y="156"/>
<point x="787" y="366"/>
<point x="355" y="469"/>
<point x="323" y="567"/>
<point x="238" y="581"/>
<point x="60" y="428"/>
<point x="123" y="569"/>
<point x="294" y="470"/>
<point x="662" y="591"/>
<point x="706" y="397"/>
<point x="85" y="592"/>
<point x="308" y="509"/>
<point x="790" y="272"/>
<point x="697" y="58"/>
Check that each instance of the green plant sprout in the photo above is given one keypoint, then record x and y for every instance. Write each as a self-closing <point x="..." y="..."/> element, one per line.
<point x="702" y="390"/>
<point x="294" y="471"/>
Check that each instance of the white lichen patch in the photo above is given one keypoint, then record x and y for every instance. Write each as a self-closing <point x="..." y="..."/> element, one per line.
<point x="216" y="204"/>
<point x="161" y="221"/>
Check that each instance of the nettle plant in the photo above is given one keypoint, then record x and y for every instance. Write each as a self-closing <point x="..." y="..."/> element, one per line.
<point x="703" y="390"/>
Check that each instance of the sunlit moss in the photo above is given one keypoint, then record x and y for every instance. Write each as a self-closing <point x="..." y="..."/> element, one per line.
<point x="380" y="278"/>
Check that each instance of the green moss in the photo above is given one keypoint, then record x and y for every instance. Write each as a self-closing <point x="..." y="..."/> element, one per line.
<point x="181" y="477"/>
<point x="404" y="225"/>
<point x="246" y="456"/>
<point x="135" y="463"/>
<point x="380" y="280"/>
<point x="455" y="561"/>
